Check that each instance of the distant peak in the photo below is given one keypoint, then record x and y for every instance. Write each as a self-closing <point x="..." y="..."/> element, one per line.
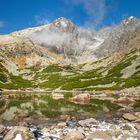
<point x="62" y="19"/>
<point x="129" y="20"/>
<point x="62" y="22"/>
<point x="131" y="17"/>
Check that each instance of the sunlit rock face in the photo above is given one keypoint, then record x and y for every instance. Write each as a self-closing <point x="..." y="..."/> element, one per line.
<point x="63" y="37"/>
<point x="62" y="42"/>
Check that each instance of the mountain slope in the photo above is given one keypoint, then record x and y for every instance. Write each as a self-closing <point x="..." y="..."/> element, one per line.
<point x="60" y="56"/>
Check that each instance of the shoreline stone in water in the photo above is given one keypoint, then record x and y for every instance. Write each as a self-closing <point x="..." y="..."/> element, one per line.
<point x="130" y="117"/>
<point x="81" y="97"/>
<point x="87" y="122"/>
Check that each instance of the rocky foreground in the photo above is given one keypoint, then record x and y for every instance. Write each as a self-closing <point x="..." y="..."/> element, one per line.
<point x="126" y="127"/>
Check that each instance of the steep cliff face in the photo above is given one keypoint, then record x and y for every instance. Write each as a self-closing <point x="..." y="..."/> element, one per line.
<point x="119" y="37"/>
<point x="62" y="56"/>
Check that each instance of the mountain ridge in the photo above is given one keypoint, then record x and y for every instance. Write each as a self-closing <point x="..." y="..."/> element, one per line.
<point x="62" y="56"/>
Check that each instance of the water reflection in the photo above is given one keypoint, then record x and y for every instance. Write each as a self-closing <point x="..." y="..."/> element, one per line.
<point x="42" y="105"/>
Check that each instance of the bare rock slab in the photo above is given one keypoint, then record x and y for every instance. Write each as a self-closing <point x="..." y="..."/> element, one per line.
<point x="130" y="117"/>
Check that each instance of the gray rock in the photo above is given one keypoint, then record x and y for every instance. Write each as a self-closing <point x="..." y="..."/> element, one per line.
<point x="87" y="122"/>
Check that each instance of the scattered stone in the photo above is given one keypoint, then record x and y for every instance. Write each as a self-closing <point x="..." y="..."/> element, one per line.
<point x="17" y="132"/>
<point x="130" y="117"/>
<point x="127" y="132"/>
<point x="46" y="138"/>
<point x="45" y="130"/>
<point x="2" y="129"/>
<point x="87" y="122"/>
<point x="115" y="132"/>
<point x="126" y="137"/>
<point x="99" y="135"/>
<point x="72" y="129"/>
<point x="74" y="135"/>
<point x="137" y="126"/>
<point x="61" y="124"/>
<point x="81" y="97"/>
<point x="126" y="127"/>
<point x="124" y="100"/>
<point x="63" y="118"/>
<point x="57" y="96"/>
<point x="137" y="121"/>
<point x="125" y="110"/>
<point x="71" y="122"/>
<point x="137" y="114"/>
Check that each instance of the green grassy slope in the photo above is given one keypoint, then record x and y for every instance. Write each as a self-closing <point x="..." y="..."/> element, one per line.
<point x="69" y="78"/>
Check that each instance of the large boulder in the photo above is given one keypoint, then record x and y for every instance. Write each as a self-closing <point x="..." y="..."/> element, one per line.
<point x="19" y="133"/>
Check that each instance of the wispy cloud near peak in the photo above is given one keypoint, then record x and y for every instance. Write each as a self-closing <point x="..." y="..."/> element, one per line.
<point x="95" y="10"/>
<point x="41" y="20"/>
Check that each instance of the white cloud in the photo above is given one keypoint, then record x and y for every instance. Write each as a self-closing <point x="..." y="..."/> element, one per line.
<point x="55" y="41"/>
<point x="2" y="24"/>
<point x="41" y="20"/>
<point x="95" y="10"/>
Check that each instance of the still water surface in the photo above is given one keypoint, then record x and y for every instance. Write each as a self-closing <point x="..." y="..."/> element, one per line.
<point x="38" y="106"/>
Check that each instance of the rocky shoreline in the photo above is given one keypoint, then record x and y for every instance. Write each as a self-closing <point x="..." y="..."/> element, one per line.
<point x="121" y="123"/>
<point x="126" y="127"/>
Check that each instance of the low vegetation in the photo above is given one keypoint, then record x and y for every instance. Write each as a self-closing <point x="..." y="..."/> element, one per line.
<point x="68" y="78"/>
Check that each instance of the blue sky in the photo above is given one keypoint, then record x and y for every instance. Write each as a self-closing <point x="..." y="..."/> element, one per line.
<point x="20" y="14"/>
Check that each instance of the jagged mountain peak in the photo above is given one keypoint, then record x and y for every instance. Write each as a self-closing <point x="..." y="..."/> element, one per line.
<point x="62" y="24"/>
<point x="62" y="20"/>
<point x="130" y="21"/>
